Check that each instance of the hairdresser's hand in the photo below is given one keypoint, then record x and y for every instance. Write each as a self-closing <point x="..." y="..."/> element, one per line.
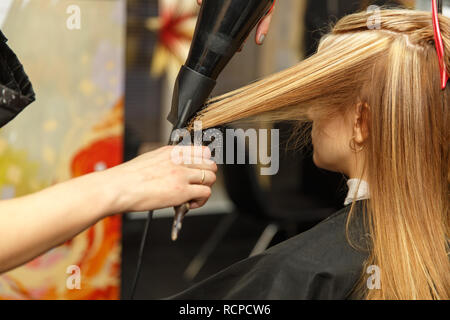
<point x="261" y="30"/>
<point x="53" y="215"/>
<point x="154" y="180"/>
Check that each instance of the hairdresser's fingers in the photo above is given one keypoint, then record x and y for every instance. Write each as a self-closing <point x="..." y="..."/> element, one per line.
<point x="199" y="202"/>
<point x="203" y="164"/>
<point x="195" y="204"/>
<point x="198" y="193"/>
<point x="263" y="28"/>
<point x="186" y="154"/>
<point x="203" y="177"/>
<point x="201" y="152"/>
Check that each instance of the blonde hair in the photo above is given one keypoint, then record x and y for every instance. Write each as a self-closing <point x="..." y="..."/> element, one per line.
<point x="394" y="71"/>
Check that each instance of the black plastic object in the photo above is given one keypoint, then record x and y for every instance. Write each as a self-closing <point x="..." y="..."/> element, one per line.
<point x="190" y="93"/>
<point x="222" y="27"/>
<point x="16" y="91"/>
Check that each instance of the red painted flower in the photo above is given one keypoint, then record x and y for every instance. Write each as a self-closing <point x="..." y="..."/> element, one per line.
<point x="100" y="155"/>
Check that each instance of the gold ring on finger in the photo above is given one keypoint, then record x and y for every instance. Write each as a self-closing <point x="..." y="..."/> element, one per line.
<point x="203" y="176"/>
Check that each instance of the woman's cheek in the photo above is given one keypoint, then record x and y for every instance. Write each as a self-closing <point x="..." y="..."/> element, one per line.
<point x="315" y="159"/>
<point x="323" y="148"/>
<point x="324" y="155"/>
<point x="316" y="144"/>
<point x="317" y="153"/>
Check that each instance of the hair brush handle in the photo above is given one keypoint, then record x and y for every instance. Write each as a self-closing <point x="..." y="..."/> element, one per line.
<point x="180" y="212"/>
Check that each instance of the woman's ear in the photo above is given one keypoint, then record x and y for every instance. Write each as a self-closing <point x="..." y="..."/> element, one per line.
<point x="360" y="123"/>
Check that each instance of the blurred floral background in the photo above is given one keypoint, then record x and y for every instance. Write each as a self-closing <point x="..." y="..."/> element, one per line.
<point x="75" y="127"/>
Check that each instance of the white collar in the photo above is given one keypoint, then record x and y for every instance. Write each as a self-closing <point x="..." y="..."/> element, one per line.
<point x="356" y="192"/>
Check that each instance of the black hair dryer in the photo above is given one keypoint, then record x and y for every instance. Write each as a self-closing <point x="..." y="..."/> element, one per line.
<point x="222" y="27"/>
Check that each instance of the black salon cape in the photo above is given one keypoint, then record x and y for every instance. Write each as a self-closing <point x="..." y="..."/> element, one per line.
<point x="316" y="264"/>
<point x="16" y="91"/>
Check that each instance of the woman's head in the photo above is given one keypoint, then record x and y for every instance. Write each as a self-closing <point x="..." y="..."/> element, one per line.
<point x="339" y="141"/>
<point x="354" y="66"/>
<point x="378" y="112"/>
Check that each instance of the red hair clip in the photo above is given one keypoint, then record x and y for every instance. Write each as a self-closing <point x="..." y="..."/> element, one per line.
<point x="439" y="45"/>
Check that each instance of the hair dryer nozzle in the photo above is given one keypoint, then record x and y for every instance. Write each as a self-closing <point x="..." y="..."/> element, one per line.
<point x="190" y="93"/>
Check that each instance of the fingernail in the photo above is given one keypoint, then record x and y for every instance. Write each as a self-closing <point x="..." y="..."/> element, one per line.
<point x="261" y="38"/>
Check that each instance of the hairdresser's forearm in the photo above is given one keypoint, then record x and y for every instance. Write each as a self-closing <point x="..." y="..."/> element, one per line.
<point x="33" y="224"/>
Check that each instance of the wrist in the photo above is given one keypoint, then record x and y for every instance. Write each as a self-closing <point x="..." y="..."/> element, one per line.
<point x="103" y="194"/>
<point x="111" y="185"/>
